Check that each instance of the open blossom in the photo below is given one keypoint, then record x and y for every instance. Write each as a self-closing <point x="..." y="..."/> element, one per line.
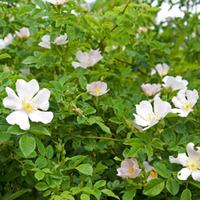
<point x="162" y="69"/>
<point x="174" y="83"/>
<point x="97" y="88"/>
<point x="147" y="115"/>
<point x="29" y="103"/>
<point x="57" y="2"/>
<point x="87" y="59"/>
<point x="150" y="89"/>
<point x="45" y="43"/>
<point x="61" y="40"/>
<point x="184" y="102"/>
<point x="6" y="41"/>
<point x="190" y="162"/>
<point x="23" y="33"/>
<point x="150" y="170"/>
<point x="129" y="169"/>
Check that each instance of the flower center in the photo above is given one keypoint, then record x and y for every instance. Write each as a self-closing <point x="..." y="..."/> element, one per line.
<point x="131" y="170"/>
<point x="27" y="106"/>
<point x="187" y="106"/>
<point x="193" y="166"/>
<point x="151" y="117"/>
<point x="153" y="174"/>
<point x="97" y="91"/>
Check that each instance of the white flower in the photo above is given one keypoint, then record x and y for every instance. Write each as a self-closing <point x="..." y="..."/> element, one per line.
<point x="129" y="169"/>
<point x="162" y="69"/>
<point x="6" y="41"/>
<point x="57" y="2"/>
<point x="97" y="88"/>
<point x="23" y="33"/>
<point x="150" y="89"/>
<point x="150" y="170"/>
<point x="148" y="115"/>
<point x="45" y="43"/>
<point x="153" y="71"/>
<point x="190" y="162"/>
<point x="184" y="102"/>
<point x="174" y="83"/>
<point x="87" y="59"/>
<point x="29" y="103"/>
<point x="142" y="29"/>
<point x="60" y="40"/>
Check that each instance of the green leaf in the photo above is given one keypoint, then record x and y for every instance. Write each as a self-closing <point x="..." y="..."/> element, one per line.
<point x="172" y="186"/>
<point x="109" y="193"/>
<point x="49" y="152"/>
<point x="162" y="169"/>
<point x="39" y="175"/>
<point x="129" y="195"/>
<point x="15" y="130"/>
<point x="4" y="56"/>
<point x="27" y="145"/>
<point x="85" y="197"/>
<point x="39" y="130"/>
<point x="41" y="186"/>
<point x="40" y="147"/>
<point x="154" y="187"/>
<point x="186" y="195"/>
<point x="99" y="184"/>
<point x="85" y="169"/>
<point x="30" y="60"/>
<point x="15" y="195"/>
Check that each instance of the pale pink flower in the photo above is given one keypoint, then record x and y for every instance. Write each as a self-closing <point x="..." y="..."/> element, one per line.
<point x="150" y="170"/>
<point x="150" y="89"/>
<point x="6" y="41"/>
<point x="29" y="103"/>
<point x="57" y="2"/>
<point x="87" y="59"/>
<point x="23" y="33"/>
<point x="190" y="163"/>
<point x="129" y="169"/>
<point x="45" y="43"/>
<point x="184" y="102"/>
<point x="162" y="69"/>
<point x="147" y="115"/>
<point x="97" y="88"/>
<point x="61" y="40"/>
<point x="174" y="83"/>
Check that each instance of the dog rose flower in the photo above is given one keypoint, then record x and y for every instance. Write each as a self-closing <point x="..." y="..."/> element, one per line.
<point x="57" y="2"/>
<point x="97" y="88"/>
<point x="6" y="41"/>
<point x="162" y="69"/>
<point x="174" y="83"/>
<point x="87" y="59"/>
<point x="61" y="40"/>
<point x="23" y="33"/>
<point x="29" y="103"/>
<point x="129" y="169"/>
<point x="45" y="43"/>
<point x="190" y="162"/>
<point x="184" y="102"/>
<point x="150" y="170"/>
<point x="150" y="89"/>
<point x="147" y="115"/>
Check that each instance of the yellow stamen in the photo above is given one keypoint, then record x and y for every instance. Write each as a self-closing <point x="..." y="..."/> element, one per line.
<point x="131" y="170"/>
<point x="151" y="117"/>
<point x="27" y="106"/>
<point x="153" y="174"/>
<point x="97" y="91"/>
<point x="187" y="106"/>
<point x="193" y="166"/>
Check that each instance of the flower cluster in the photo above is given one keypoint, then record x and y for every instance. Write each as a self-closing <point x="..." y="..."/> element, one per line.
<point x="147" y="115"/>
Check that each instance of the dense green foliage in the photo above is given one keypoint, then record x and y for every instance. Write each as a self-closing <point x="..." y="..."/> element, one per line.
<point x="76" y="156"/>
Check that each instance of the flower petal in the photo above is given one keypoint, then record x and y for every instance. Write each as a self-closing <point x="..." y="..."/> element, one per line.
<point x="40" y="116"/>
<point x="12" y="101"/>
<point x="161" y="108"/>
<point x="26" y="90"/>
<point x="20" y="118"/>
<point x="183" y="174"/>
<point x="196" y="175"/>
<point x="192" y="153"/>
<point x="144" y="109"/>
<point x="41" y="99"/>
<point x="181" y="159"/>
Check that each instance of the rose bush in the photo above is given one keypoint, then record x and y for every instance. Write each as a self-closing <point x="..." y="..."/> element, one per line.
<point x="98" y="101"/>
